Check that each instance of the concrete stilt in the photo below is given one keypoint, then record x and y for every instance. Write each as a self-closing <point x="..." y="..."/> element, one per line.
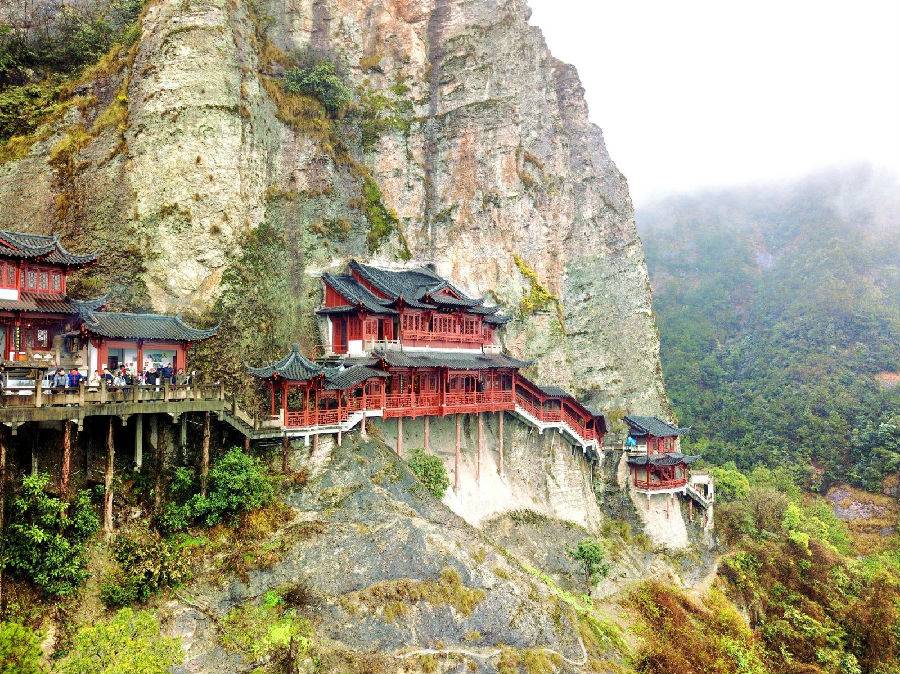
<point x="427" y="430"/>
<point x="480" y="445"/>
<point x="340" y="438"/>
<point x="306" y="440"/>
<point x="108" y="480"/>
<point x="246" y="444"/>
<point x="182" y="434"/>
<point x="138" y="440"/>
<point x="399" y="436"/>
<point x="285" y="454"/>
<point x="501" y="416"/>
<point x="34" y="456"/>
<point x="458" y="454"/>
<point x="362" y="428"/>
<point x="315" y="443"/>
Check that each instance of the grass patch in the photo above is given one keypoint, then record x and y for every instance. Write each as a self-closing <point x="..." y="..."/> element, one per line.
<point x="267" y="629"/>
<point x="395" y="597"/>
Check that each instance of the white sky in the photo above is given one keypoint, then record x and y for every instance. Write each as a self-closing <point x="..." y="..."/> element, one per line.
<point x="700" y="93"/>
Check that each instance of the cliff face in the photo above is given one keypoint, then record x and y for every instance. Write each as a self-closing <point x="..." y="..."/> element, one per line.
<point x="466" y="129"/>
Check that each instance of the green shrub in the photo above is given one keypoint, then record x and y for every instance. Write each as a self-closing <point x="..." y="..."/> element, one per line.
<point x="20" y="650"/>
<point x="146" y="564"/>
<point x="592" y="555"/>
<point x="267" y="629"/>
<point x="66" y="41"/>
<point x="129" y="643"/>
<point x="237" y="483"/>
<point x="430" y="471"/>
<point x="320" y="80"/>
<point x="46" y="537"/>
<point x="731" y="484"/>
<point x="22" y="109"/>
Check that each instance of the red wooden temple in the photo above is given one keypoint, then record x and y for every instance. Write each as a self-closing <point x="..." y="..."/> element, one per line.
<point x="369" y="308"/>
<point x="412" y="344"/>
<point x="655" y="463"/>
<point x="41" y="324"/>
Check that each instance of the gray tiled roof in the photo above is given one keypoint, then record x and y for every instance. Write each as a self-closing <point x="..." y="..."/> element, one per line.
<point x="122" y="325"/>
<point x="670" y="459"/>
<point x="357" y="293"/>
<point x="338" y="378"/>
<point x="643" y="425"/>
<point x="456" y="361"/>
<point x="418" y="288"/>
<point x="49" y="303"/>
<point x="411" y="283"/>
<point x="46" y="248"/>
<point x="294" y="366"/>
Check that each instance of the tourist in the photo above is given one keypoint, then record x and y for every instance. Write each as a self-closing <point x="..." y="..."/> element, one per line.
<point x="94" y="381"/>
<point x="108" y="376"/>
<point x="60" y="380"/>
<point x="166" y="373"/>
<point x="74" y="378"/>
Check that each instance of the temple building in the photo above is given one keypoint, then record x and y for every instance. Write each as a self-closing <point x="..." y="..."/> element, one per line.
<point x="137" y="341"/>
<point x="41" y="325"/>
<point x="369" y="308"/>
<point x="411" y="344"/>
<point x="35" y="311"/>
<point x="655" y="462"/>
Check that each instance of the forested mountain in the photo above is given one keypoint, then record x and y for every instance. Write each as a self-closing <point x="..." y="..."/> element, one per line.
<point x="779" y="314"/>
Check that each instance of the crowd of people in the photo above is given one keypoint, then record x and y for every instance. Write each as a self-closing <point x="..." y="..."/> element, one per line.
<point x="121" y="376"/>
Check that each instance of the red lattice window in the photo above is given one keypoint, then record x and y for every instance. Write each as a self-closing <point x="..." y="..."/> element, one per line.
<point x="355" y="329"/>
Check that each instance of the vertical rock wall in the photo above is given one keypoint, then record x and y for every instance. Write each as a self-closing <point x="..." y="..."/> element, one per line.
<point x="494" y="170"/>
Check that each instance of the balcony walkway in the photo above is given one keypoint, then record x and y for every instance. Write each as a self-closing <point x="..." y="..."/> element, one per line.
<point x="76" y="404"/>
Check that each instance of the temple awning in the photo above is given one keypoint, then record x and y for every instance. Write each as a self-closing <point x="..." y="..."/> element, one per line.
<point x="41" y="247"/>
<point x="383" y="291"/>
<point x="47" y="303"/>
<point x="293" y="367"/>
<point x="658" y="460"/>
<point x="452" y="360"/>
<point x="121" y="325"/>
<point x="343" y="378"/>
<point x="640" y="426"/>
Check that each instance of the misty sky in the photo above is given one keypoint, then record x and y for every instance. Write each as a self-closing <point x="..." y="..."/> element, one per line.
<point x="700" y="93"/>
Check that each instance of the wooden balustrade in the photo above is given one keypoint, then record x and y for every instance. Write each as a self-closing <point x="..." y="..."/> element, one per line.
<point x="101" y="395"/>
<point x="660" y="484"/>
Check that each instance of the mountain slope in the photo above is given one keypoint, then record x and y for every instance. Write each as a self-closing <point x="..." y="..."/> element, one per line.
<point x="779" y="311"/>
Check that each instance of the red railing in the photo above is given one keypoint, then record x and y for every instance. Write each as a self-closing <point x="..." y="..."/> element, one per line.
<point x="660" y="484"/>
<point x="555" y="414"/>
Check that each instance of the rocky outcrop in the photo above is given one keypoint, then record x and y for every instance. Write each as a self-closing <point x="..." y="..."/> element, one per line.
<point x="541" y="472"/>
<point x="488" y="161"/>
<point x="392" y="580"/>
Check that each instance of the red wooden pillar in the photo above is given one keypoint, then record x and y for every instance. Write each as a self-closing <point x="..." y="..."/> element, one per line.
<point x="108" y="480"/>
<point x="66" y="460"/>
<point x="284" y="402"/>
<point x="272" y="398"/>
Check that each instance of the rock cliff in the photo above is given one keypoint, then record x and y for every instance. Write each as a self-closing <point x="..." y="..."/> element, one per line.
<point x="468" y="145"/>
